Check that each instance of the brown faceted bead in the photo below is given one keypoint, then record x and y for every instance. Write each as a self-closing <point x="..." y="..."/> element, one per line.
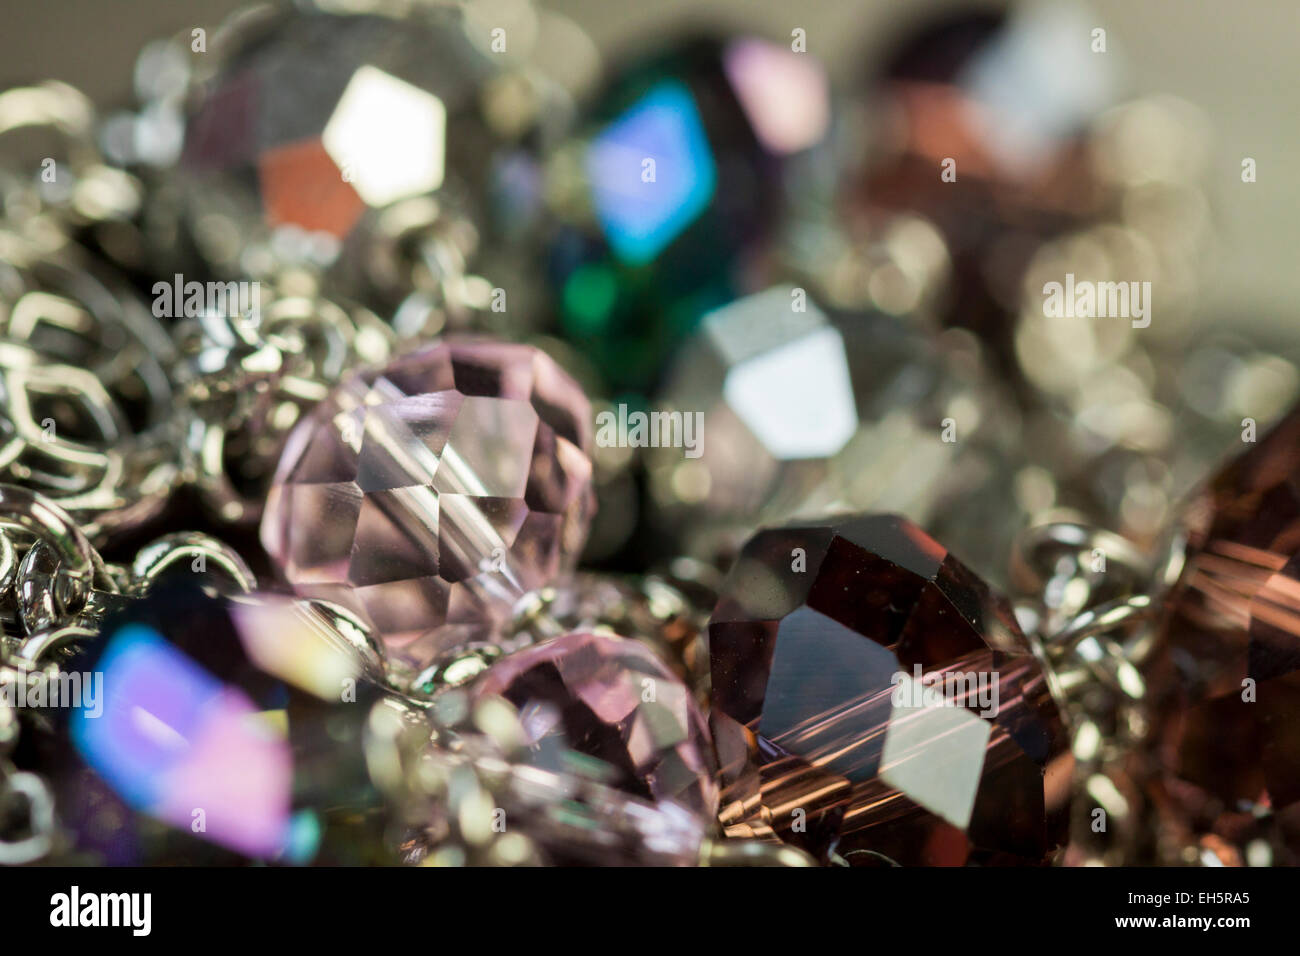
<point x="824" y="737"/>
<point x="1227" y="680"/>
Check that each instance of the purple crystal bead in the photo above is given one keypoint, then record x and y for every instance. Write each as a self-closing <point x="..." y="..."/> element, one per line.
<point x="428" y="496"/>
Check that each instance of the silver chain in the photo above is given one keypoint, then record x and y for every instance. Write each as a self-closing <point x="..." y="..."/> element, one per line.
<point x="1089" y="607"/>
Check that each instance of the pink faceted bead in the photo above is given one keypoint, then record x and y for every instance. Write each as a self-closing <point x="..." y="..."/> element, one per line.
<point x="612" y="699"/>
<point x="429" y="496"/>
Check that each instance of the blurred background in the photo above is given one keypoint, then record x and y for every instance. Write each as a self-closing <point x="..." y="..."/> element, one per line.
<point x="1236" y="61"/>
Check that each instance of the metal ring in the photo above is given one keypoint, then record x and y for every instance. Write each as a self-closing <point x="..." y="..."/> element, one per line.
<point x="80" y="565"/>
<point x="152" y="561"/>
<point x="1030" y="544"/>
<point x="41" y="816"/>
<point x="1114" y="668"/>
<point x="35" y="648"/>
<point x="1102" y="620"/>
<point x="206" y="442"/>
<point x="50" y="104"/>
<point x="8" y="563"/>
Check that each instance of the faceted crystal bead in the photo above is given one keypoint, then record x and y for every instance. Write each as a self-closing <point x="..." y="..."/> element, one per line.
<point x="652" y="610"/>
<point x="311" y="120"/>
<point x="222" y="731"/>
<point x="874" y="701"/>
<point x="680" y="168"/>
<point x="1228" y="680"/>
<point x="428" y="496"/>
<point x="1006" y="97"/>
<point x="570" y="816"/>
<point x="611" y="699"/>
<point x="809" y="413"/>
